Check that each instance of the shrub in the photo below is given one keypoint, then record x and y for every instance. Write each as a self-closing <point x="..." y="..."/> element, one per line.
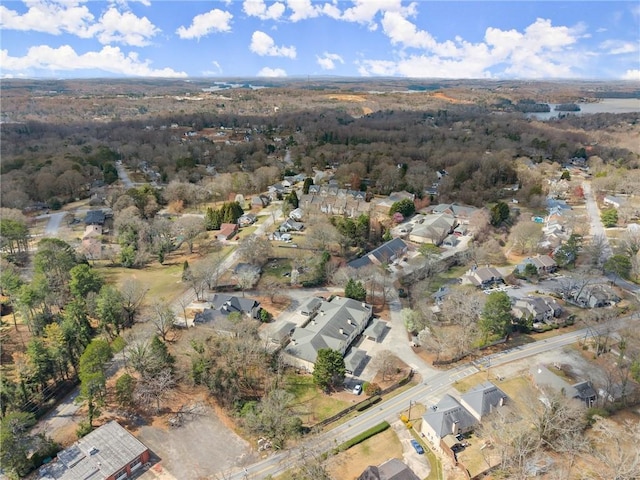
<point x="83" y="429"/>
<point x="381" y="427"/>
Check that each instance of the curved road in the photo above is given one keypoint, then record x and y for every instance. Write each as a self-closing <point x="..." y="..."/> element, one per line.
<point x="430" y="391"/>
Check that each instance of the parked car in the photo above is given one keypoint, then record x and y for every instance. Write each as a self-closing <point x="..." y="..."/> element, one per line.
<point x="357" y="390"/>
<point x="417" y="447"/>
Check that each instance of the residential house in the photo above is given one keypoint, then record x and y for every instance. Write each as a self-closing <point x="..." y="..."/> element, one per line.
<point x="335" y="325"/>
<point x="95" y="217"/>
<point x="450" y="241"/>
<point x="614" y="201"/>
<point x="483" y="277"/>
<point x="376" y="330"/>
<point x="551" y="384"/>
<point x="109" y="452"/>
<point x="434" y="229"/>
<point x="595" y="296"/>
<point x="540" y="309"/>
<point x="221" y="306"/>
<point x="384" y="204"/>
<point x="311" y="306"/>
<point x="91" y="245"/>
<point x="392" y="469"/>
<point x="227" y="231"/>
<point x="483" y="399"/>
<point x="260" y="201"/>
<point x="296" y="214"/>
<point x="447" y="417"/>
<point x="290" y="225"/>
<point x="441" y="294"/>
<point x="461" y="213"/>
<point x="554" y="202"/>
<point x="543" y="263"/>
<point x="386" y="253"/>
<point x="247" y="219"/>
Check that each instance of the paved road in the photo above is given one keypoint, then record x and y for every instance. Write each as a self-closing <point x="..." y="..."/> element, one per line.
<point x="595" y="224"/>
<point x="124" y="176"/>
<point x="55" y="220"/>
<point x="428" y="392"/>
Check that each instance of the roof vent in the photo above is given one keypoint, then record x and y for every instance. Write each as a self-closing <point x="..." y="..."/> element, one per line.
<point x="93" y="451"/>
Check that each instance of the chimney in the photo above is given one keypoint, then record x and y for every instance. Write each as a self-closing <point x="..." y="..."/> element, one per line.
<point x="341" y="331"/>
<point x="364" y="305"/>
<point x="454" y="428"/>
<point x="349" y="321"/>
<point x="501" y="403"/>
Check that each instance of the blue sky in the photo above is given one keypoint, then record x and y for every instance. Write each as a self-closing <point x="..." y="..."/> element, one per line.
<point x="293" y="38"/>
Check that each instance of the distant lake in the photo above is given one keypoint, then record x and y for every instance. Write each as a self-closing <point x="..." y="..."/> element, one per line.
<point x="606" y="105"/>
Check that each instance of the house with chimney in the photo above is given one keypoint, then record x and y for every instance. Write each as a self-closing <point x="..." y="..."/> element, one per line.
<point x="333" y="324"/>
<point x="447" y="417"/>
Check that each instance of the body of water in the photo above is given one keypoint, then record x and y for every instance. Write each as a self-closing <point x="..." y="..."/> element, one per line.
<point x="606" y="105"/>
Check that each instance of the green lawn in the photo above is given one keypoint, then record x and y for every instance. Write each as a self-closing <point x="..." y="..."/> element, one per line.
<point x="163" y="281"/>
<point x="312" y="405"/>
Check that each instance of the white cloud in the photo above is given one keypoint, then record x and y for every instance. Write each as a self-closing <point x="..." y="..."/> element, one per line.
<point x="402" y="31"/>
<point x="257" y="8"/>
<point x="202" y="25"/>
<point x="632" y="75"/>
<point x="45" y="59"/>
<point x="58" y="17"/>
<point x="303" y="9"/>
<point x="263" y="45"/>
<point x="272" y="72"/>
<point x="328" y="60"/>
<point x="365" y="11"/>
<point x="618" y="47"/>
<point x="49" y="17"/>
<point x="125" y="28"/>
<point x="541" y="50"/>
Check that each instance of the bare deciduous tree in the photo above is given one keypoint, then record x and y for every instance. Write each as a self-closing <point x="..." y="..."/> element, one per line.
<point x="386" y="363"/>
<point x="163" y="318"/>
<point x="151" y="390"/>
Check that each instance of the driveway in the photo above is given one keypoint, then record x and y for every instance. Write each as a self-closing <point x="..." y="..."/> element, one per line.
<point x="53" y="225"/>
<point x="418" y="463"/>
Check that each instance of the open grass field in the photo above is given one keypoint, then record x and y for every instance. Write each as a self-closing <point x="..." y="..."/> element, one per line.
<point x="162" y="281"/>
<point x="378" y="449"/>
<point x="310" y="404"/>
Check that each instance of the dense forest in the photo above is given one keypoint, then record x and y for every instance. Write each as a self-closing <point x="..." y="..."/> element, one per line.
<point x="381" y="152"/>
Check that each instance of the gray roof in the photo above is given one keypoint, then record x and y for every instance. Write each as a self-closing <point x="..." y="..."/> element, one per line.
<point x="382" y="254"/>
<point x="95" y="217"/>
<point x="447" y="414"/>
<point x="354" y="358"/>
<point x="311" y="305"/>
<point x="323" y="331"/>
<point x="98" y="455"/>
<point x="283" y="331"/>
<point x="233" y="304"/>
<point x="393" y="469"/>
<point x="454" y="209"/>
<point x="483" y="399"/>
<point x="376" y="329"/>
<point x="389" y="250"/>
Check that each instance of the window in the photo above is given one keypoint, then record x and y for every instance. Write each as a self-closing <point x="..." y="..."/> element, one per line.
<point x="136" y="464"/>
<point x="122" y="474"/>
